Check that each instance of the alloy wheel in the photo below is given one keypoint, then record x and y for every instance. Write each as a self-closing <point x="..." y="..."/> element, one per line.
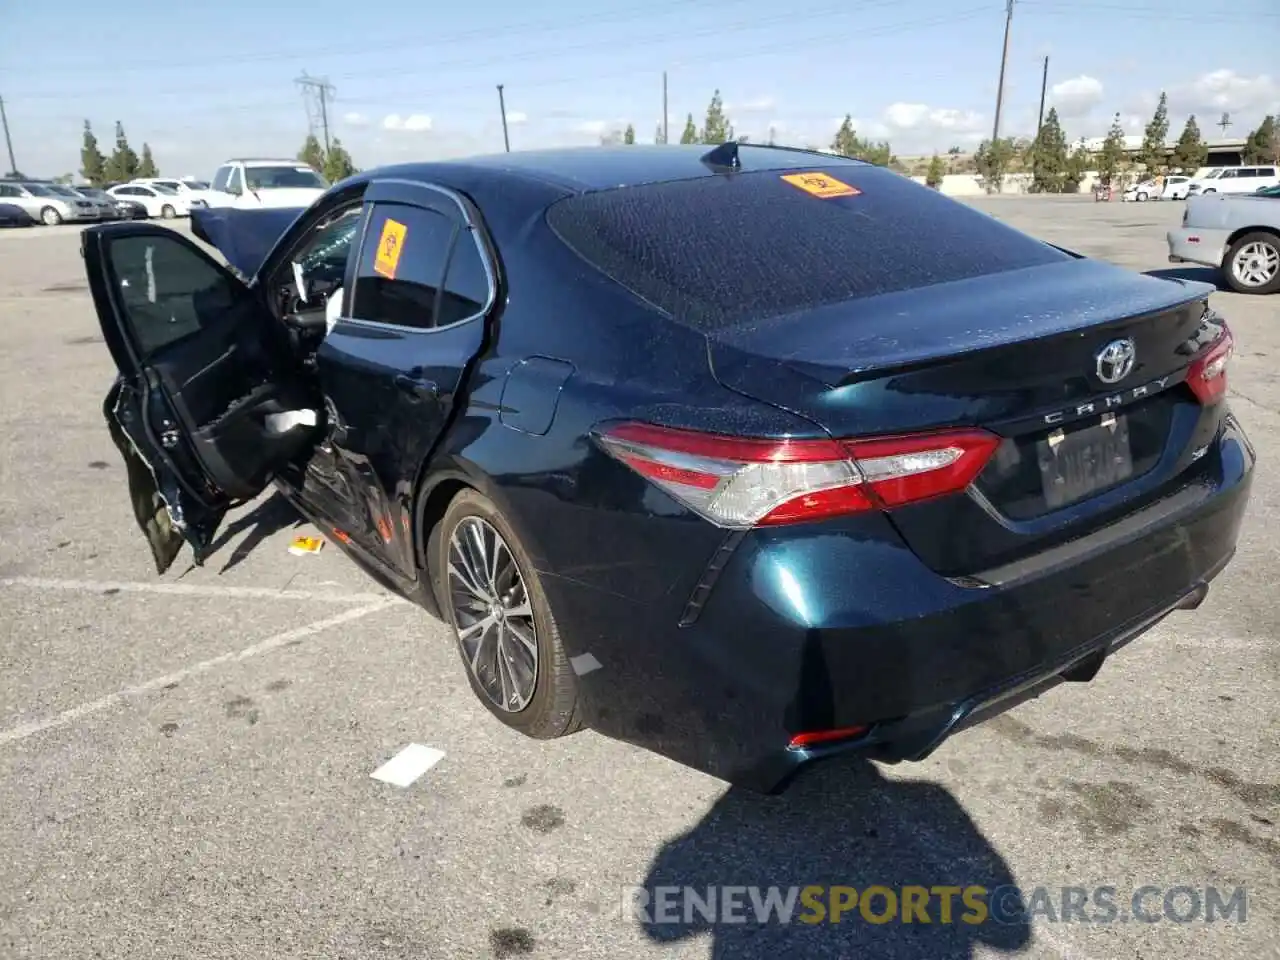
<point x="492" y="614"/>
<point x="50" y="216"/>
<point x="1256" y="264"/>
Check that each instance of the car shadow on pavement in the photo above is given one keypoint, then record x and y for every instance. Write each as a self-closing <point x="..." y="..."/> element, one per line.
<point x="841" y="824"/>
<point x="1209" y="275"/>
<point x="265" y="519"/>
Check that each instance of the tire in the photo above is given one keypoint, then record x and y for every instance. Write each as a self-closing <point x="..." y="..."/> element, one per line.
<point x="1205" y="193"/>
<point x="1142" y="197"/>
<point x="551" y="709"/>
<point x="167" y="212"/>
<point x="1252" y="263"/>
<point x="50" y="217"/>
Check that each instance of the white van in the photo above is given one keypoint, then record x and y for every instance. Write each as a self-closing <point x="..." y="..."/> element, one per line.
<point x="246" y="184"/>
<point x="1249" y="179"/>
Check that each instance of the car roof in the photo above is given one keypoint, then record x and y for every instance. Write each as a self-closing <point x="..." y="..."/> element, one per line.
<point x="267" y="161"/>
<point x="587" y="169"/>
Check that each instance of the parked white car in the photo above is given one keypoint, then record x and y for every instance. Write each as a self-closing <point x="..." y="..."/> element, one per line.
<point x="162" y="202"/>
<point x="1173" y="188"/>
<point x="246" y="184"/>
<point x="1234" y="180"/>
<point x="45" y="204"/>
<point x="195" y="196"/>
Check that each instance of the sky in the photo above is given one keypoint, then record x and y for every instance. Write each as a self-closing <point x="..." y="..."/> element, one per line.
<point x="201" y="83"/>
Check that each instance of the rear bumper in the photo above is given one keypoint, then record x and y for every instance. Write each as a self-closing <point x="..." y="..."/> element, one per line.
<point x="1194" y="245"/>
<point x="805" y="631"/>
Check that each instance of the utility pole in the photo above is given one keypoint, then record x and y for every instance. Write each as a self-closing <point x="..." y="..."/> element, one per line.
<point x="1004" y="59"/>
<point x="666" y="134"/>
<point x="1044" y="84"/>
<point x="1224" y="123"/>
<point x="502" y="105"/>
<point x="8" y="142"/>
<point x="321" y="90"/>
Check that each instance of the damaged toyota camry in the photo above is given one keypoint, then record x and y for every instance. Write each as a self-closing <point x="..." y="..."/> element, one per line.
<point x="751" y="457"/>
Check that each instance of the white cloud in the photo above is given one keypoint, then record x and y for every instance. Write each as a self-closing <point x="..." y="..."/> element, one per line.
<point x="757" y="105"/>
<point x="1077" y="96"/>
<point x="1227" y="91"/>
<point x="591" y="128"/>
<point x="354" y="119"/>
<point x="919" y="116"/>
<point x="414" y="123"/>
<point x="516" y="117"/>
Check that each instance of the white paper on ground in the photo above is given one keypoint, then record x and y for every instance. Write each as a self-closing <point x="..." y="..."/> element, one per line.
<point x="408" y="765"/>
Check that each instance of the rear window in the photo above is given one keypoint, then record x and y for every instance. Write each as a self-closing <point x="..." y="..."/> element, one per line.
<point x="718" y="251"/>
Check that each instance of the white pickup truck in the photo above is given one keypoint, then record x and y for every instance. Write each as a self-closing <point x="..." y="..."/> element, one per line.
<point x="249" y="184"/>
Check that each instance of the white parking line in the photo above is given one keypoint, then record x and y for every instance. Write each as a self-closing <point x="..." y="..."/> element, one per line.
<point x="24" y="730"/>
<point x="197" y="590"/>
<point x="408" y="765"/>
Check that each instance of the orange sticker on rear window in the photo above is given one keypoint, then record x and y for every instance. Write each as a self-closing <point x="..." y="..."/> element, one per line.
<point x="390" y="245"/>
<point x="821" y="185"/>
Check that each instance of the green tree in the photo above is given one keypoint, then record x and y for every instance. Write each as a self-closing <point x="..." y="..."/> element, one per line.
<point x="1153" y="155"/>
<point x="991" y="161"/>
<point x="1263" y="144"/>
<point x="92" y="163"/>
<point x="629" y="135"/>
<point x="1111" y="157"/>
<point x="937" y="170"/>
<point x="147" y="165"/>
<point x="1190" y="153"/>
<point x="312" y="154"/>
<point x="717" y="128"/>
<point x="847" y="143"/>
<point x="1078" y="164"/>
<point x="337" y="164"/>
<point x="659" y="136"/>
<point x="1049" y="156"/>
<point x="690" y="134"/>
<point x="123" y="164"/>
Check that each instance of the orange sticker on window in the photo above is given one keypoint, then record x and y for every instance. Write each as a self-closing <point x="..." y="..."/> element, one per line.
<point x="821" y="185"/>
<point x="390" y="245"/>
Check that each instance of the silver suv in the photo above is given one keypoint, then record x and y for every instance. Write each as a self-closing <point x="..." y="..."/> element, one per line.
<point x="45" y="204"/>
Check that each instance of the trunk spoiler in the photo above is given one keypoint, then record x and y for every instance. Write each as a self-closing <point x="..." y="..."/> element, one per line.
<point x="243" y="237"/>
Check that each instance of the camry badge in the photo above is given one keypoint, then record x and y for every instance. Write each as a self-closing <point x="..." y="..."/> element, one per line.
<point x="1115" y="361"/>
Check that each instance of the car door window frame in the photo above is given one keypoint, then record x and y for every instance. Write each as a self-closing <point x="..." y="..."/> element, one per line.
<point x="467" y="223"/>
<point x="277" y="268"/>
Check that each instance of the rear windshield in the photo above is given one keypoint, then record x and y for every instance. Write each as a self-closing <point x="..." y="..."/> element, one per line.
<point x="718" y="251"/>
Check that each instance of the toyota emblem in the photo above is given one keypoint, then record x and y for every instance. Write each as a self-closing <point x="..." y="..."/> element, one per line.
<point x="1115" y="360"/>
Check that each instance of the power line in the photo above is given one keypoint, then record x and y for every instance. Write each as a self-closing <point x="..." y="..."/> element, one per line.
<point x="827" y="38"/>
<point x="435" y="66"/>
<point x="360" y="48"/>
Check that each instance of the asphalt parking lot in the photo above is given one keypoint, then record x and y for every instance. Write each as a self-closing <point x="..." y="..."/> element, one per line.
<point x="186" y="762"/>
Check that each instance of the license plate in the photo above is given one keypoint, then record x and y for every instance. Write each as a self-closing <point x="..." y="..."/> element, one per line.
<point x="1078" y="464"/>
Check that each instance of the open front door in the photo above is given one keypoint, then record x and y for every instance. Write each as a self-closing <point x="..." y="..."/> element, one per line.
<point x="205" y="368"/>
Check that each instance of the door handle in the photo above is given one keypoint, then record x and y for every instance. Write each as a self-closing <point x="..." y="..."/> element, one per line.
<point x="424" y="389"/>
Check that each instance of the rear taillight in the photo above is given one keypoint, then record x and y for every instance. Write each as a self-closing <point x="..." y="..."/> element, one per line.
<point x="1207" y="376"/>
<point x="745" y="482"/>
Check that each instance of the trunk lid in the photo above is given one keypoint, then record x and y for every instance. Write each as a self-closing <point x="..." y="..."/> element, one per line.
<point x="1017" y="354"/>
<point x="243" y="237"/>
